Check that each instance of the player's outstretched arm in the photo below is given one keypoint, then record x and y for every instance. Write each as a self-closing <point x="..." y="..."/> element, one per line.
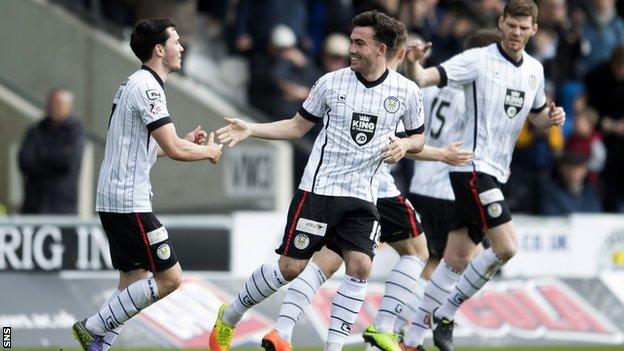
<point x="548" y="117"/>
<point x="238" y="130"/>
<point x="196" y="136"/>
<point x="451" y="154"/>
<point x="424" y="77"/>
<point x="184" y="150"/>
<point x="398" y="147"/>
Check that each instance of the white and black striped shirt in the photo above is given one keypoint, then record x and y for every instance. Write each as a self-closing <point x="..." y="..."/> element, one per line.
<point x="444" y="124"/>
<point x="139" y="108"/>
<point x="499" y="94"/>
<point x="358" y="119"/>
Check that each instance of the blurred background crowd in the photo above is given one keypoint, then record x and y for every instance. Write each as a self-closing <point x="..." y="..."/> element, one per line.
<point x="268" y="53"/>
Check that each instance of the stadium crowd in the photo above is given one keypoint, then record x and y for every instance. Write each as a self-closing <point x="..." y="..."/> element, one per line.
<point x="288" y="44"/>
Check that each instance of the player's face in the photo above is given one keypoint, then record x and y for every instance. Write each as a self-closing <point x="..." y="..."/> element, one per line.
<point x="172" y="58"/>
<point x="364" y="49"/>
<point x="516" y="31"/>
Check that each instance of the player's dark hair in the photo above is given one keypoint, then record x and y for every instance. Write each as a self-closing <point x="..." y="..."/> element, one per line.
<point x="385" y="29"/>
<point x="481" y="38"/>
<point x="148" y="33"/>
<point x="401" y="39"/>
<point x="521" y="8"/>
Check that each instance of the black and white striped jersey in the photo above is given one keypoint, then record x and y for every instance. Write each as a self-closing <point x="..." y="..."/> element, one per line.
<point x="358" y="119"/>
<point x="499" y="95"/>
<point x="444" y="124"/>
<point x="139" y="108"/>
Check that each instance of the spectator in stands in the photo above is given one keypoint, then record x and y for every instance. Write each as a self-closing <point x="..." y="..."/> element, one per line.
<point x="282" y="77"/>
<point x="560" y="65"/>
<point x="419" y="16"/>
<point x="603" y="30"/>
<point x="569" y="192"/>
<point x="605" y="91"/>
<point x="587" y="141"/>
<point x="389" y="7"/>
<point x="256" y="19"/>
<point x="531" y="166"/>
<point x="335" y="54"/>
<point x="50" y="157"/>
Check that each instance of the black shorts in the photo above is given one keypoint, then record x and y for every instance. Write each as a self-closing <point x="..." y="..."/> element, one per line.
<point x="340" y="223"/>
<point x="437" y="217"/>
<point x="398" y="219"/>
<point x="138" y="240"/>
<point x="479" y="200"/>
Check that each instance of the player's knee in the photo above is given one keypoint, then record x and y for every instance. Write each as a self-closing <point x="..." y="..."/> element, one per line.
<point x="507" y="252"/>
<point x="457" y="262"/>
<point x="168" y="284"/>
<point x="291" y="269"/>
<point x="359" y="268"/>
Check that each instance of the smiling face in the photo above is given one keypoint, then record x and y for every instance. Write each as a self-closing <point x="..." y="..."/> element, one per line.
<point x="516" y="32"/>
<point x="365" y="51"/>
<point x="172" y="51"/>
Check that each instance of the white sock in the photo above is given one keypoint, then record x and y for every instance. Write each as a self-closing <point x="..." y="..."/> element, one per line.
<point x="436" y="292"/>
<point x="264" y="282"/>
<point x="109" y="337"/>
<point x="478" y="272"/>
<point x="409" y="312"/>
<point x="345" y="309"/>
<point x="298" y="296"/>
<point x="128" y="303"/>
<point x="333" y="346"/>
<point x="400" y="286"/>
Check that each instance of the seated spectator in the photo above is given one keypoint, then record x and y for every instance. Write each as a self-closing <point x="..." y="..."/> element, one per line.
<point x="335" y="54"/>
<point x="569" y="191"/>
<point x="605" y="92"/>
<point x="50" y="157"/>
<point x="282" y="77"/>
<point x="587" y="141"/>
<point x="603" y="30"/>
<point x="255" y="21"/>
<point x="531" y="166"/>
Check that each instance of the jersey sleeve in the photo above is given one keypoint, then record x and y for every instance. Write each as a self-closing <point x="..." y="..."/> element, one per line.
<point x="152" y="105"/>
<point x="460" y="69"/>
<point x="414" y="116"/>
<point x="539" y="103"/>
<point x="313" y="108"/>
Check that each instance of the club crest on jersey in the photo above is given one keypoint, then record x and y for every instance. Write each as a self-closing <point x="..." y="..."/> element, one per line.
<point x="514" y="99"/>
<point x="363" y="128"/>
<point x="392" y="104"/>
<point x="532" y="81"/>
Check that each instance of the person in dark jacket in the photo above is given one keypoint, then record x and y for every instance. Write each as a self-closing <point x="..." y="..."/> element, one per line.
<point x="50" y="156"/>
<point x="569" y="192"/>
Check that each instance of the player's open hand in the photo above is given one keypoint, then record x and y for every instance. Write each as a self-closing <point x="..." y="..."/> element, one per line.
<point x="214" y="149"/>
<point x="454" y="156"/>
<point x="395" y="151"/>
<point x="236" y="131"/>
<point x="196" y="136"/>
<point x="556" y="114"/>
<point x="416" y="50"/>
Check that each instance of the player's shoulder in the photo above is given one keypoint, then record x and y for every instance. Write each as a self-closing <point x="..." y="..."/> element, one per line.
<point x="409" y="84"/>
<point x="143" y="84"/>
<point x="532" y="62"/>
<point x="340" y="74"/>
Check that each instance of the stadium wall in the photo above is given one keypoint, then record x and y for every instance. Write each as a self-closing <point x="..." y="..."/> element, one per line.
<point x="56" y="270"/>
